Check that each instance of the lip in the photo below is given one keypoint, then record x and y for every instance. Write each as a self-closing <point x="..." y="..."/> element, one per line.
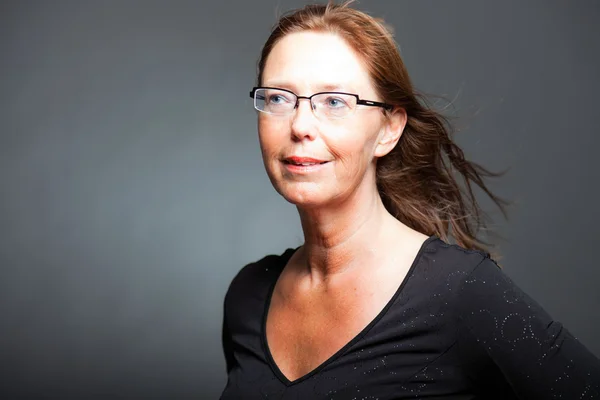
<point x="299" y="160"/>
<point x="292" y="164"/>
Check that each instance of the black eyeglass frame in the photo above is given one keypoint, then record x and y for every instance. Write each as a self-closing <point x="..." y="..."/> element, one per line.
<point x="360" y="101"/>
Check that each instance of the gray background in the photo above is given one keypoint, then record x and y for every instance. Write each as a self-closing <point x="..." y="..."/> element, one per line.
<point x="132" y="188"/>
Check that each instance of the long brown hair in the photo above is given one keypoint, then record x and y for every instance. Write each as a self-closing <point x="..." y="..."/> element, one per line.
<point x="418" y="180"/>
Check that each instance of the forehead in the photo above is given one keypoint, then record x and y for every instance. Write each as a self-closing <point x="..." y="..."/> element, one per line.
<point x="314" y="61"/>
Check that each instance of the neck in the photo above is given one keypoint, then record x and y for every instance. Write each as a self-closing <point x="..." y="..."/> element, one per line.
<point x="340" y="237"/>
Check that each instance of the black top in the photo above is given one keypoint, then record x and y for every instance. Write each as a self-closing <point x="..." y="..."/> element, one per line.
<point x="456" y="328"/>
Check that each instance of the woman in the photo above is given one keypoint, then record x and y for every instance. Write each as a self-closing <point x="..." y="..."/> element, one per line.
<point x="376" y="304"/>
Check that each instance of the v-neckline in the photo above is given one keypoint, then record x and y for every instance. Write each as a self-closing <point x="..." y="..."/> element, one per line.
<point x="263" y="334"/>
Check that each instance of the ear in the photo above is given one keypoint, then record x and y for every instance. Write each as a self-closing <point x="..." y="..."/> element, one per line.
<point x="391" y="131"/>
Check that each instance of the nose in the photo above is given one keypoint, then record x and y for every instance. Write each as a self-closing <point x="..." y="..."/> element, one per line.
<point x="304" y="121"/>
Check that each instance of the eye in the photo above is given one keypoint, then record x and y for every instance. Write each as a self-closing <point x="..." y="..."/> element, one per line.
<point x="335" y="102"/>
<point x="278" y="98"/>
<point x="274" y="99"/>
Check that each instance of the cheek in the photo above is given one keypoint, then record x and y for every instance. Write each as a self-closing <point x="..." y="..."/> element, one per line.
<point x="269" y="136"/>
<point x="355" y="148"/>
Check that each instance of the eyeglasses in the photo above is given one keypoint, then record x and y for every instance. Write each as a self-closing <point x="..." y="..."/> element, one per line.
<point x="331" y="105"/>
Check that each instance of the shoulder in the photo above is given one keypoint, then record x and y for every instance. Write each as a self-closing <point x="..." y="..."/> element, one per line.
<point x="479" y="287"/>
<point x="453" y="260"/>
<point x="257" y="277"/>
<point x="457" y="282"/>
<point x="444" y="274"/>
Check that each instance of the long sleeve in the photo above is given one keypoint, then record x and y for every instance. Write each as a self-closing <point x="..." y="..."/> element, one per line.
<point x="504" y="331"/>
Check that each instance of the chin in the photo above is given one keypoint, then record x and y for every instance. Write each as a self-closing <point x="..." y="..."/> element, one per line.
<point x="302" y="196"/>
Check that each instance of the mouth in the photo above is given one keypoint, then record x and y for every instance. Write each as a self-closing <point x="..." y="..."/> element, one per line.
<point x="304" y="164"/>
<point x="303" y="161"/>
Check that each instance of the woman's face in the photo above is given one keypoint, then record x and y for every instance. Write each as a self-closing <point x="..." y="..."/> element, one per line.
<point x="306" y="63"/>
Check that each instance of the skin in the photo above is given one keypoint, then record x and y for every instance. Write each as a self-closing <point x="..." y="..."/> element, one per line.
<point x="355" y="254"/>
